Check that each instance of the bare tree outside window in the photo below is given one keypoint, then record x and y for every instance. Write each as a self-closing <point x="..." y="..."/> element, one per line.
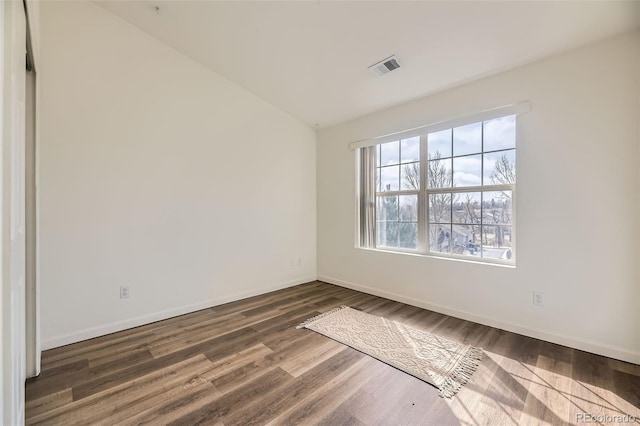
<point x="412" y="176"/>
<point x="504" y="172"/>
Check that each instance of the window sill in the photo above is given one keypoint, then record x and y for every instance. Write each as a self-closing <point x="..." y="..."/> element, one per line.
<point x="445" y="257"/>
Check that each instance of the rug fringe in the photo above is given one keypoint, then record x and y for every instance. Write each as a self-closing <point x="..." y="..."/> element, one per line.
<point x="463" y="372"/>
<point x="318" y="317"/>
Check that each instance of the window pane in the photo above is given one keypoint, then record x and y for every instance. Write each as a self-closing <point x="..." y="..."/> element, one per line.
<point x="408" y="235"/>
<point x="500" y="133"/>
<point x="408" y="208"/>
<point x="387" y="234"/>
<point x="466" y="208"/>
<point x="465" y="239"/>
<point x="497" y="242"/>
<point x="410" y="150"/>
<point x="500" y="167"/>
<point x="496" y="207"/>
<point x="390" y="153"/>
<point x="439" y="238"/>
<point x="474" y="244"/>
<point x="387" y="208"/>
<point x="440" y="208"/>
<point x="467" y="171"/>
<point x="439" y="144"/>
<point x="467" y="139"/>
<point x="439" y="174"/>
<point x="389" y="178"/>
<point x="410" y="176"/>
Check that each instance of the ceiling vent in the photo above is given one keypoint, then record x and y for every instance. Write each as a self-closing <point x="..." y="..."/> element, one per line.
<point x="385" y="66"/>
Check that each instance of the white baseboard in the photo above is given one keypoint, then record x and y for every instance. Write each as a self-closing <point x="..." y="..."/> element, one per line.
<point x="113" y="327"/>
<point x="584" y="345"/>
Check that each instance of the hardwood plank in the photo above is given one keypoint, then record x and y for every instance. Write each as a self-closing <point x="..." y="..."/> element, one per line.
<point x="268" y="406"/>
<point x="340" y="417"/>
<point x="61" y="370"/>
<point x="466" y="403"/>
<point x="547" y="400"/>
<point x="166" y="407"/>
<point x="97" y="385"/>
<point x="248" y="371"/>
<point x="127" y="338"/>
<point x="217" y="328"/>
<point x="385" y="388"/>
<point x="627" y="397"/>
<point x="70" y="380"/>
<point x="304" y="361"/>
<point x="229" y="363"/>
<point x="245" y="363"/>
<point x="324" y="400"/>
<point x="140" y="388"/>
<point x="235" y="400"/>
<point x="49" y="402"/>
<point x="591" y="384"/>
<point x="505" y="397"/>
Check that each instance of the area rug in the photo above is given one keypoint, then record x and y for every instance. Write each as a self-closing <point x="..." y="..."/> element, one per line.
<point x="440" y="362"/>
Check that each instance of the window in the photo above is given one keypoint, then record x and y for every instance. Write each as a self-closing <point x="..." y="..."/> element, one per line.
<point x="447" y="192"/>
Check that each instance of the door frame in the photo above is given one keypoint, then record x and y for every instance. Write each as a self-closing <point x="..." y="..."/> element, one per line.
<point x="12" y="211"/>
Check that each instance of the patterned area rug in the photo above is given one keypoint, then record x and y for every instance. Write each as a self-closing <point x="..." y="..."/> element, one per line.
<point x="440" y="362"/>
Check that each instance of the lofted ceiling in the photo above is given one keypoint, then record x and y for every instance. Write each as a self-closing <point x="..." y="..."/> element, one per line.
<point x="310" y="58"/>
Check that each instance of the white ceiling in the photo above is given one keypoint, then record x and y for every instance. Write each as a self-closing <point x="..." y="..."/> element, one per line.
<point x="310" y="58"/>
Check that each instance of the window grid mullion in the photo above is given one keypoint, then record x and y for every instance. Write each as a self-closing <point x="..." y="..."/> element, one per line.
<point x="399" y="174"/>
<point x="451" y="198"/>
<point x="392" y="193"/>
<point x="423" y="200"/>
<point x="489" y="188"/>
<point x="482" y="193"/>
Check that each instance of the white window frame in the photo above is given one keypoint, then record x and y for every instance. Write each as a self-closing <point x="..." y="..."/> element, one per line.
<point x="423" y="239"/>
<point x="420" y="212"/>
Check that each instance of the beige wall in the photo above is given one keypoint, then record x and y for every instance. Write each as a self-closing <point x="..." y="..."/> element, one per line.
<point x="159" y="175"/>
<point x="578" y="237"/>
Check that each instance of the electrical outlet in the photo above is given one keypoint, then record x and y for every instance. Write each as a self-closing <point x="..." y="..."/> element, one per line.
<point x="299" y="261"/>
<point x="292" y="262"/>
<point x="124" y="292"/>
<point x="538" y="298"/>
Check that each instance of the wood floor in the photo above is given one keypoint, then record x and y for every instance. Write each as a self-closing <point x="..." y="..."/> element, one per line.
<point x="245" y="363"/>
